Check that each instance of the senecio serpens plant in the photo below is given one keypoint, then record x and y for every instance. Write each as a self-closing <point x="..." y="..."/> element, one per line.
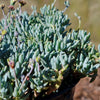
<point x="37" y="51"/>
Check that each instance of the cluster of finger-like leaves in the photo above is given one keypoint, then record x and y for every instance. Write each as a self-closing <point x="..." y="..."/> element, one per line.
<point x="42" y="41"/>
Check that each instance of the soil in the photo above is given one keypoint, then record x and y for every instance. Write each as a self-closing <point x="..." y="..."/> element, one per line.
<point x="88" y="91"/>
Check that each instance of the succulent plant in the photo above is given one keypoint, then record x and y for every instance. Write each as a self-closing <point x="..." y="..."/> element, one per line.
<point x="38" y="51"/>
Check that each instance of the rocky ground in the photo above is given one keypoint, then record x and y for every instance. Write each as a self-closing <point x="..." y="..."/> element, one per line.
<point x="88" y="91"/>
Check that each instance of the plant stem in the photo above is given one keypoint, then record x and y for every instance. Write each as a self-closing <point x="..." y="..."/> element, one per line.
<point x="26" y="78"/>
<point x="4" y="18"/>
<point x="3" y="13"/>
<point x="15" y="77"/>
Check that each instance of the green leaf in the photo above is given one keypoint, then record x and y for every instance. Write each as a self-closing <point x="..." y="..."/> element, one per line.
<point x="99" y="48"/>
<point x="21" y="58"/>
<point x="15" y="93"/>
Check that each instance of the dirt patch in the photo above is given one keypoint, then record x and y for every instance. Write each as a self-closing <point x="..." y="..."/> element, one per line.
<point x="88" y="91"/>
